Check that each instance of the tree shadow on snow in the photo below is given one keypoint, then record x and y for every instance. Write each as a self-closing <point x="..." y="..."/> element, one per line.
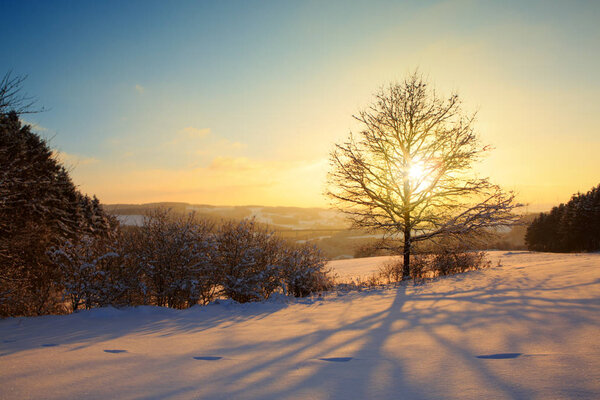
<point x="86" y="328"/>
<point x="353" y="357"/>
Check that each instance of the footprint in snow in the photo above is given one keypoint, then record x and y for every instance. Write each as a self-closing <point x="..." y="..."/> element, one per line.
<point x="336" y="359"/>
<point x="115" y="351"/>
<point x="208" y="358"/>
<point x="500" y="356"/>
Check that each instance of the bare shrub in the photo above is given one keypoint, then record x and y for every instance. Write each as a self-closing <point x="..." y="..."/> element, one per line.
<point x="421" y="268"/>
<point x="455" y="261"/>
<point x="445" y="261"/>
<point x="391" y="272"/>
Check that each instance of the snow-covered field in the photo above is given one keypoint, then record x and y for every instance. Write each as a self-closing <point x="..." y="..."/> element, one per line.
<point x="529" y="329"/>
<point x="359" y="267"/>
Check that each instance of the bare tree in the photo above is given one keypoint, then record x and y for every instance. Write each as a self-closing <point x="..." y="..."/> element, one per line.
<point x="11" y="96"/>
<point x="409" y="171"/>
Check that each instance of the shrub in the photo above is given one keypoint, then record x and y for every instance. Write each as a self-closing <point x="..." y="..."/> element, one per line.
<point x="86" y="268"/>
<point x="421" y="268"/>
<point x="179" y="261"/>
<point x="455" y="261"/>
<point x="391" y="271"/>
<point x="249" y="258"/>
<point x="175" y="257"/>
<point x="444" y="261"/>
<point x="304" y="271"/>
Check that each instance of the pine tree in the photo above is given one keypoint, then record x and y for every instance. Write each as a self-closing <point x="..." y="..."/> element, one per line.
<point x="574" y="226"/>
<point x="40" y="208"/>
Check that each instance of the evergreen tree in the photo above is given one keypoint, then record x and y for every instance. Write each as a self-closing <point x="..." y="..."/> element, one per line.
<point x="574" y="226"/>
<point x="40" y="208"/>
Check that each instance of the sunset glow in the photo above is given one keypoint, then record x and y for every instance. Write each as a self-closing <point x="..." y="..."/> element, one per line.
<point x="234" y="103"/>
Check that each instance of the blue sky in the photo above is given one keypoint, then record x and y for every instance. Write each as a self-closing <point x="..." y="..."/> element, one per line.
<point x="239" y="102"/>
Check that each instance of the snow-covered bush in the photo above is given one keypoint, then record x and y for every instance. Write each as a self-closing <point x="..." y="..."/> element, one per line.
<point x="175" y="256"/>
<point x="254" y="263"/>
<point x="249" y="258"/>
<point x="178" y="261"/>
<point x="304" y="270"/>
<point x="87" y="266"/>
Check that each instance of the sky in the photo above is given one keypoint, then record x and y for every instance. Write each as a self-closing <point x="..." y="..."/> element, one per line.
<point x="240" y="102"/>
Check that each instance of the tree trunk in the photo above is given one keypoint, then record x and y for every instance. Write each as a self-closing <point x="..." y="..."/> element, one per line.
<point x="406" y="249"/>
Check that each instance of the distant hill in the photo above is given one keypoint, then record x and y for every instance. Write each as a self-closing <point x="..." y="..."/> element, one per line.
<point x="279" y="218"/>
<point x="324" y="227"/>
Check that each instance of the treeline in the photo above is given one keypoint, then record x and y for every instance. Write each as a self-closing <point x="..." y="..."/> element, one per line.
<point x="60" y="251"/>
<point x="574" y="226"/>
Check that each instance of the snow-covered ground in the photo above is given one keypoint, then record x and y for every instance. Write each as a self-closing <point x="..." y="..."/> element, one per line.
<point x="359" y="267"/>
<point x="529" y="329"/>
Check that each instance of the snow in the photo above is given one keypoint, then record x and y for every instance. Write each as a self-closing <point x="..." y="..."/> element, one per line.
<point x="133" y="219"/>
<point x="359" y="267"/>
<point x="313" y="239"/>
<point x="526" y="329"/>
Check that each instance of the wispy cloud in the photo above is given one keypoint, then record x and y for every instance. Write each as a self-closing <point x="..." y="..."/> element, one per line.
<point x="140" y="89"/>
<point x="188" y="134"/>
<point x="234" y="164"/>
<point x="74" y="159"/>
<point x="192" y="132"/>
<point x="35" y="126"/>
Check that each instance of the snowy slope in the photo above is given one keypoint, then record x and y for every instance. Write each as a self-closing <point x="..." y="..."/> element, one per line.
<point x="529" y="329"/>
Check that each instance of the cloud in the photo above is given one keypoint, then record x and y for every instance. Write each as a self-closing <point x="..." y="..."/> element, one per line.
<point x="226" y="145"/>
<point x="188" y="134"/>
<point x="192" y="132"/>
<point x="140" y="89"/>
<point x="35" y="126"/>
<point x="74" y="159"/>
<point x="234" y="164"/>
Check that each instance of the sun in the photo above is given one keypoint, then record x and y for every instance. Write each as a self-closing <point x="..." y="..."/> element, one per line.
<point x="419" y="175"/>
<point x="416" y="171"/>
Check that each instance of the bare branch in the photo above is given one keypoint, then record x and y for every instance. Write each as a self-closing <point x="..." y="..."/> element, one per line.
<point x="409" y="170"/>
<point x="12" y="98"/>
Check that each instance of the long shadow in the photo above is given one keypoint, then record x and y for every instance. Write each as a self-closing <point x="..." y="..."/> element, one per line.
<point x="378" y="327"/>
<point x="352" y="354"/>
<point x="373" y="328"/>
<point x="98" y="325"/>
